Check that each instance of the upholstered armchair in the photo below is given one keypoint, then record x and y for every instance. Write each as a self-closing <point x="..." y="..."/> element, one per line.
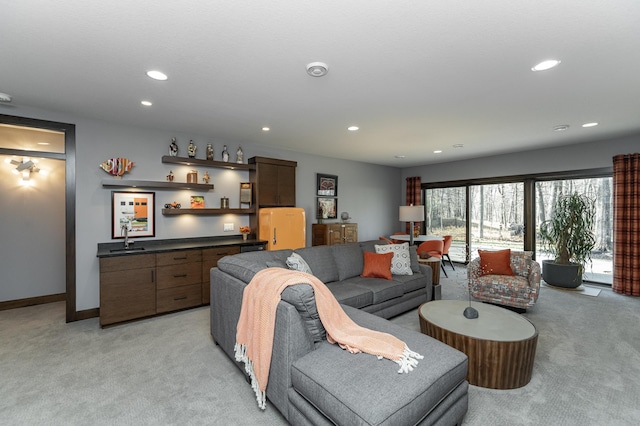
<point x="518" y="291"/>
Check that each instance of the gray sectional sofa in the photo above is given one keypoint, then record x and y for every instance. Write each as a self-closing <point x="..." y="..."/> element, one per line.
<point x="312" y="382"/>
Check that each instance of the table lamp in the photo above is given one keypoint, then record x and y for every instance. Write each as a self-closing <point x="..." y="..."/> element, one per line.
<point x="411" y="214"/>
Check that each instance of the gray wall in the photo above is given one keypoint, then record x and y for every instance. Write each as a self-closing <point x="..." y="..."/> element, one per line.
<point x="589" y="155"/>
<point x="368" y="192"/>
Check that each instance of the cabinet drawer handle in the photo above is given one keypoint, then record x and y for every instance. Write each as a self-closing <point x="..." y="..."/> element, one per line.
<point x="180" y="298"/>
<point x="223" y="253"/>
<point x="180" y="276"/>
<point x="180" y="258"/>
<point x="153" y="276"/>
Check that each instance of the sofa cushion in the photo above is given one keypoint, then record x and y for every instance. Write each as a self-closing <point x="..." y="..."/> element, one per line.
<point x="302" y="297"/>
<point x="320" y="260"/>
<point x="380" y="288"/>
<point x="362" y="390"/>
<point x="496" y="262"/>
<point x="244" y="266"/>
<point x="297" y="263"/>
<point x="351" y="294"/>
<point x="401" y="262"/>
<point x="349" y="259"/>
<point x="377" y="265"/>
<point x="410" y="283"/>
<point x="371" y="245"/>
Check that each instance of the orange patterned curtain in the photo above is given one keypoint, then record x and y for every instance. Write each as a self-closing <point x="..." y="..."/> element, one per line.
<point x="413" y="197"/>
<point x="626" y="224"/>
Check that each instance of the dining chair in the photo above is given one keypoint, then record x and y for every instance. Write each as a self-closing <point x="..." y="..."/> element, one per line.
<point x="445" y="250"/>
<point x="433" y="248"/>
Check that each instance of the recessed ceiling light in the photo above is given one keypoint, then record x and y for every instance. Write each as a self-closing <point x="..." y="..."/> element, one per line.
<point x="353" y="128"/>
<point x="265" y="129"/>
<point x="157" y="75"/>
<point x="545" y="65"/>
<point x="44" y="143"/>
<point x="561" y="128"/>
<point x="590" y="124"/>
<point x="146" y="103"/>
<point x="437" y="151"/>
<point x="5" y="98"/>
<point x="317" y="69"/>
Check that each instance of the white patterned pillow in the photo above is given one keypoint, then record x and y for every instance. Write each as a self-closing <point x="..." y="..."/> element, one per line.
<point x="401" y="262"/>
<point x="297" y="263"/>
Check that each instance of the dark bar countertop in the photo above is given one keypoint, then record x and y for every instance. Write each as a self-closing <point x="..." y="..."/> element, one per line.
<point x="159" y="246"/>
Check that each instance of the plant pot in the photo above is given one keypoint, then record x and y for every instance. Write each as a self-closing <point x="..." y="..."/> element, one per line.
<point x="560" y="275"/>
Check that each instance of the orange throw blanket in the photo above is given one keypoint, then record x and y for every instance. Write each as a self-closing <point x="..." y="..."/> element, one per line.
<point x="254" y="338"/>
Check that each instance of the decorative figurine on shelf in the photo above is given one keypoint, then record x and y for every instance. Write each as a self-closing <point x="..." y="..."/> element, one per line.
<point x="191" y="149"/>
<point x="170" y="176"/>
<point x="209" y="152"/>
<point x="206" y="178"/>
<point x="117" y="166"/>
<point x="225" y="154"/>
<point x="173" y="147"/>
<point x="239" y="154"/>
<point x="174" y="205"/>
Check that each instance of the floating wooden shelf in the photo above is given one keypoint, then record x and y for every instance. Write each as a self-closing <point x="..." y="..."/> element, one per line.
<point x="207" y="163"/>
<point x="212" y="212"/>
<point x="129" y="183"/>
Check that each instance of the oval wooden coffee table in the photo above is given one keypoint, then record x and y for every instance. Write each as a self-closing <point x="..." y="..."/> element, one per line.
<point x="500" y="344"/>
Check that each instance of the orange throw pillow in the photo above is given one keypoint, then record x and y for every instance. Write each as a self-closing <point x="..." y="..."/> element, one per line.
<point x="495" y="262"/>
<point x="377" y="265"/>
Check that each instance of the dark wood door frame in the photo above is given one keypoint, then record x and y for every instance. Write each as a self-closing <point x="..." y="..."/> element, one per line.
<point x="69" y="156"/>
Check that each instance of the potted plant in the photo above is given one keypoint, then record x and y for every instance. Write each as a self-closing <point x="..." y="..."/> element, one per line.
<point x="569" y="237"/>
<point x="245" y="231"/>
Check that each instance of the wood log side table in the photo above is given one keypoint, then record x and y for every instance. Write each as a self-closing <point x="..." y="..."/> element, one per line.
<point x="434" y="262"/>
<point x="500" y="344"/>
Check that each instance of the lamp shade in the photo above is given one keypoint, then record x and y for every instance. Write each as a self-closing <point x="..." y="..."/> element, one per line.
<point x="411" y="213"/>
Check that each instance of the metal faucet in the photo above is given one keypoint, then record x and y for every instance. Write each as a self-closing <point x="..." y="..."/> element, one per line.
<point x="125" y="228"/>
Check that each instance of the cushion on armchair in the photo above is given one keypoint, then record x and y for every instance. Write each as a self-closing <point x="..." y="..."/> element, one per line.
<point x="495" y="262"/>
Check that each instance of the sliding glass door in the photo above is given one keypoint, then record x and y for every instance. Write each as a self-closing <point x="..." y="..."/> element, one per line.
<point x="497" y="217"/>
<point x="447" y="215"/>
<point x="599" y="189"/>
<point x="506" y="212"/>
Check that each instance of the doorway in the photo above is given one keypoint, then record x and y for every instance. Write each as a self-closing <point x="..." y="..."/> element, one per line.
<point x="30" y="147"/>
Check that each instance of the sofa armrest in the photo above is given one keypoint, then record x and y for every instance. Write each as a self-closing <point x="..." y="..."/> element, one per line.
<point x="534" y="279"/>
<point x="428" y="274"/>
<point x="291" y="340"/>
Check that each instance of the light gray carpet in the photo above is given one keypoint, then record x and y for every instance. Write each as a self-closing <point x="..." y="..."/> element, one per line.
<point x="167" y="371"/>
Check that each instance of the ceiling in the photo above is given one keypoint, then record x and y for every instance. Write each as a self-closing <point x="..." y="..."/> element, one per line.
<point x="414" y="76"/>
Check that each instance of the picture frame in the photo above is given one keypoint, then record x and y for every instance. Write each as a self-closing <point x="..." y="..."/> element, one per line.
<point x="327" y="208"/>
<point x="327" y="185"/>
<point x="136" y="210"/>
<point x="197" y="202"/>
<point x="246" y="193"/>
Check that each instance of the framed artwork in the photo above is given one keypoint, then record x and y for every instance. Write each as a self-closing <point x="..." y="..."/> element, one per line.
<point x="136" y="211"/>
<point x="197" y="202"/>
<point x="327" y="208"/>
<point x="246" y="193"/>
<point x="327" y="185"/>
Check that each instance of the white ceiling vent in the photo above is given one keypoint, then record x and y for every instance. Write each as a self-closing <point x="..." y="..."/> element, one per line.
<point x="317" y="69"/>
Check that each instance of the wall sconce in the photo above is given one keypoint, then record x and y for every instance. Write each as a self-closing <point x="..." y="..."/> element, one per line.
<point x="24" y="168"/>
<point x="411" y="214"/>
